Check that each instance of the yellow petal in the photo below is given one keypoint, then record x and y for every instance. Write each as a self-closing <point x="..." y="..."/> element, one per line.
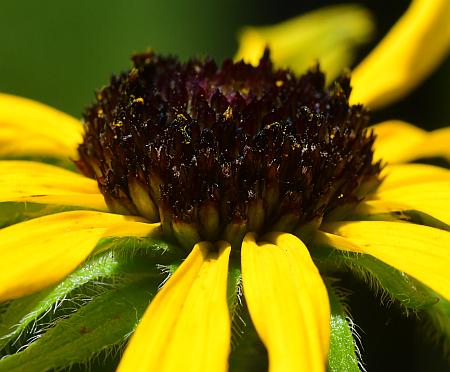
<point x="420" y="251"/>
<point x="327" y="35"/>
<point x="436" y="144"/>
<point x="40" y="252"/>
<point x="432" y="198"/>
<point x="187" y="325"/>
<point x="400" y="175"/>
<point x="287" y="301"/>
<point x="395" y="139"/>
<point x="411" y="50"/>
<point x="27" y="181"/>
<point x="370" y="208"/>
<point x="399" y="142"/>
<point x="32" y="128"/>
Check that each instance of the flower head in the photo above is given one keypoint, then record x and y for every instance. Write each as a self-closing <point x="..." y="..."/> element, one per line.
<point x="214" y="153"/>
<point x="265" y="183"/>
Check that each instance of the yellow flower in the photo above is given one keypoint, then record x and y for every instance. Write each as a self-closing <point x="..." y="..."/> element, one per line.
<point x="187" y="325"/>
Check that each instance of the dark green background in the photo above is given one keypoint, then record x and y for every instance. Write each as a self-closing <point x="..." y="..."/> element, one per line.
<point x="59" y="52"/>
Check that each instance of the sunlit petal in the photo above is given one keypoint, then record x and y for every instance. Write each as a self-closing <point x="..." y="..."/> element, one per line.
<point x="187" y="325"/>
<point x="27" y="181"/>
<point x="40" y="252"/>
<point x="32" y="128"/>
<point x="411" y="50"/>
<point x="432" y="198"/>
<point x="399" y="142"/>
<point x="436" y="144"/>
<point x="395" y="139"/>
<point x="400" y="175"/>
<point x="287" y="301"/>
<point x="420" y="251"/>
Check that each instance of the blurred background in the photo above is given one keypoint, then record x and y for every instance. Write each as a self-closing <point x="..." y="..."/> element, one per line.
<point x="59" y="52"/>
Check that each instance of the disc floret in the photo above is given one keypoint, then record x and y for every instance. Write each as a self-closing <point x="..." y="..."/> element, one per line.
<point x="214" y="152"/>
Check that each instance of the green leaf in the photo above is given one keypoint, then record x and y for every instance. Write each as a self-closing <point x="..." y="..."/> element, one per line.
<point x="342" y="356"/>
<point x="104" y="322"/>
<point x="23" y="312"/>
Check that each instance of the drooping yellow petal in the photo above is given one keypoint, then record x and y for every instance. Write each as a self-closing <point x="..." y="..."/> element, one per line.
<point x="432" y="198"/>
<point x="287" y="301"/>
<point x="400" y="175"/>
<point x="420" y="251"/>
<point x="436" y="144"/>
<point x="27" y="181"/>
<point x="327" y="35"/>
<point x="40" y="252"/>
<point x="187" y="325"/>
<point x="399" y="142"/>
<point x="32" y="128"/>
<point x="395" y="139"/>
<point x="410" y="51"/>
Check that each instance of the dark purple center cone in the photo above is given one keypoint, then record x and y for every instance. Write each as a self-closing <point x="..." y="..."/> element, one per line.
<point x="214" y="152"/>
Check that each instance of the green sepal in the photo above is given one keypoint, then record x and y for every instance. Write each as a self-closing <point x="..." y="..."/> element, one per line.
<point x="63" y="162"/>
<point x="104" y="323"/>
<point x="389" y="282"/>
<point x="342" y="356"/>
<point x="130" y="256"/>
<point x="398" y="285"/>
<point x="248" y="353"/>
<point x="422" y="218"/>
<point x="21" y="313"/>
<point x="234" y="287"/>
<point x="247" y="350"/>
<point x="149" y="249"/>
<point x="437" y="324"/>
<point x="410" y="215"/>
<point x="15" y="212"/>
<point x="234" y="298"/>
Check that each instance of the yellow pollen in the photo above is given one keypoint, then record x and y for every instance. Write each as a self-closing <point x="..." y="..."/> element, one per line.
<point x="228" y="113"/>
